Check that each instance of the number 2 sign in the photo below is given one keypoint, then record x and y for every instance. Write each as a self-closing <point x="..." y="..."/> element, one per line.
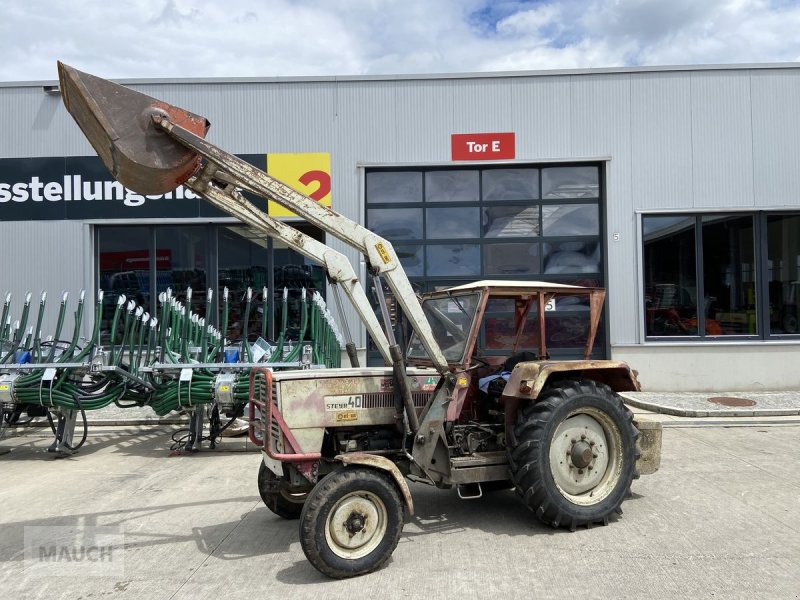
<point x="308" y="173"/>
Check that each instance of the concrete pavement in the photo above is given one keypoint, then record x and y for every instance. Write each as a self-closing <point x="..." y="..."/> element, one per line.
<point x="717" y="404"/>
<point x="718" y="520"/>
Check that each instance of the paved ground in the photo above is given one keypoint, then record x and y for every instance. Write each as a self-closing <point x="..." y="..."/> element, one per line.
<point x="718" y="520"/>
<point x="720" y="404"/>
<point x="683" y="404"/>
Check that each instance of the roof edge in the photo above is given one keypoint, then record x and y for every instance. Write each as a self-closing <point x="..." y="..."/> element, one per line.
<point x="425" y="76"/>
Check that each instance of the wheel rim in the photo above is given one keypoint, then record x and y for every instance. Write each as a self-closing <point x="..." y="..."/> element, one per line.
<point x="586" y="456"/>
<point x="296" y="498"/>
<point x="356" y="525"/>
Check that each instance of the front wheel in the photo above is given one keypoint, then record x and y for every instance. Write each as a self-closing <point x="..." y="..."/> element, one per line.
<point x="574" y="454"/>
<point x="351" y="522"/>
<point x="276" y="495"/>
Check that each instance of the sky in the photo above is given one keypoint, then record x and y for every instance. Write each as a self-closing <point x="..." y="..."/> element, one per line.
<point x="125" y="39"/>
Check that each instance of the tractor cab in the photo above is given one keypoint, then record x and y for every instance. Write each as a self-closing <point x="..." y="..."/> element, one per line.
<point x="486" y="322"/>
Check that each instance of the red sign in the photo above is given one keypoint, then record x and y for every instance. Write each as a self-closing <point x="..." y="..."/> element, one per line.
<point x="483" y="146"/>
<point x="134" y="260"/>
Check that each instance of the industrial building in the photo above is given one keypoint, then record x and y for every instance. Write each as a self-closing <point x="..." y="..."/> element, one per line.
<point x="676" y="188"/>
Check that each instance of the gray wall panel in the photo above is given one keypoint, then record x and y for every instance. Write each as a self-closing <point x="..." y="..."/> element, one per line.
<point x="541" y="108"/>
<point x="676" y="138"/>
<point x="482" y="106"/>
<point x="661" y="141"/>
<point x="776" y="137"/>
<point x="722" y="139"/>
<point x="52" y="257"/>
<point x="601" y="126"/>
<point x="425" y="121"/>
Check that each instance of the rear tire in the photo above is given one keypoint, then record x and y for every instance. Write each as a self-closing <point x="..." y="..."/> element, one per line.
<point x="351" y="522"/>
<point x="574" y="454"/>
<point x="277" y="497"/>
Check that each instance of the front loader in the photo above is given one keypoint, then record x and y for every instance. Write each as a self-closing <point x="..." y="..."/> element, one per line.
<point x="340" y="445"/>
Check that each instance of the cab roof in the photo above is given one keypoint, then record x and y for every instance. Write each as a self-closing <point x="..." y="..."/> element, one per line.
<point x="517" y="287"/>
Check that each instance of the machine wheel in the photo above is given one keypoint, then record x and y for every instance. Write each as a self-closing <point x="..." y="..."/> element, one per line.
<point x="574" y="455"/>
<point x="351" y="522"/>
<point x="279" y="500"/>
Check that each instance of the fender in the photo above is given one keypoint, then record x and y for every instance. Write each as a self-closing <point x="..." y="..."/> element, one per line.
<point x="382" y="464"/>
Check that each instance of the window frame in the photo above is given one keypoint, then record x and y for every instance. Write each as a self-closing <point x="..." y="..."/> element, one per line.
<point x="760" y="260"/>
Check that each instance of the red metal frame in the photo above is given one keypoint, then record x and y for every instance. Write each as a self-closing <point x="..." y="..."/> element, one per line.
<point x="268" y="408"/>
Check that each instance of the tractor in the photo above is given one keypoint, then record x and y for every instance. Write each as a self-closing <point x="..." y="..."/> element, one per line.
<point x="451" y="409"/>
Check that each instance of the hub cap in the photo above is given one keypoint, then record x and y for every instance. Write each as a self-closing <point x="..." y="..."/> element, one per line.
<point x="586" y="456"/>
<point x="356" y="525"/>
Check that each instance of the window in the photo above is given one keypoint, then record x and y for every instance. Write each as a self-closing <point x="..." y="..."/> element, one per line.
<point x="783" y="273"/>
<point x="450" y="225"/>
<point x="142" y="261"/>
<point x="718" y="276"/>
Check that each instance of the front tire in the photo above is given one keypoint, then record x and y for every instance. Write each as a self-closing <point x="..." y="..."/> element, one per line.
<point x="277" y="497"/>
<point x="574" y="454"/>
<point x="351" y="522"/>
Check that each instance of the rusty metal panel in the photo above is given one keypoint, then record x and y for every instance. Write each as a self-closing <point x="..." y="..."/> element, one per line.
<point x="332" y="398"/>
<point x="529" y="378"/>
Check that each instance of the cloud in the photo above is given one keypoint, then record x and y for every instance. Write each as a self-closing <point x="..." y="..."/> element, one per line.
<point x="242" y="38"/>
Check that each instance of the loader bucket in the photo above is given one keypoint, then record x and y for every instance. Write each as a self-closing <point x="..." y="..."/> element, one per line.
<point x="118" y="123"/>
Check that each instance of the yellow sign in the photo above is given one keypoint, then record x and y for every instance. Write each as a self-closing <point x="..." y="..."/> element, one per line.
<point x="309" y="173"/>
<point x="384" y="254"/>
<point x="5" y="387"/>
<point x="348" y="415"/>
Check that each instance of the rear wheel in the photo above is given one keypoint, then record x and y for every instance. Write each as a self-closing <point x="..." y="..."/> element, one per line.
<point x="351" y="522"/>
<point x="277" y="496"/>
<point x="574" y="454"/>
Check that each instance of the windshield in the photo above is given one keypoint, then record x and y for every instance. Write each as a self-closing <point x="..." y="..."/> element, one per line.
<point x="451" y="320"/>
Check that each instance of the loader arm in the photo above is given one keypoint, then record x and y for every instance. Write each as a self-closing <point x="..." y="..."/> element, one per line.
<point x="338" y="268"/>
<point x="152" y="147"/>
<point x="135" y="136"/>
<point x="379" y="253"/>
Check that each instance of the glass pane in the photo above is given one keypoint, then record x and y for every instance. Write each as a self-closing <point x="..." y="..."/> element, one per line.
<point x="670" y="288"/>
<point x="243" y="263"/>
<point x="571" y="219"/>
<point x="510" y="259"/>
<point x="396" y="223"/>
<point x="391" y="187"/>
<point x="566" y="330"/>
<point x="124" y="266"/>
<point x="571" y="182"/>
<point x="411" y="257"/>
<point x="186" y="249"/>
<point x="511" y="184"/>
<point x="454" y="259"/>
<point x="450" y="222"/>
<point x="499" y="333"/>
<point x="452" y="186"/>
<point x="783" y="257"/>
<point x="451" y="321"/>
<point x="729" y="275"/>
<point x="294" y="272"/>
<point x="571" y="257"/>
<point x="510" y="221"/>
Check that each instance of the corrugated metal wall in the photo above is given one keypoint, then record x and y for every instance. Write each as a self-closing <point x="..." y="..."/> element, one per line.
<point x="51" y="256"/>
<point x="676" y="139"/>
